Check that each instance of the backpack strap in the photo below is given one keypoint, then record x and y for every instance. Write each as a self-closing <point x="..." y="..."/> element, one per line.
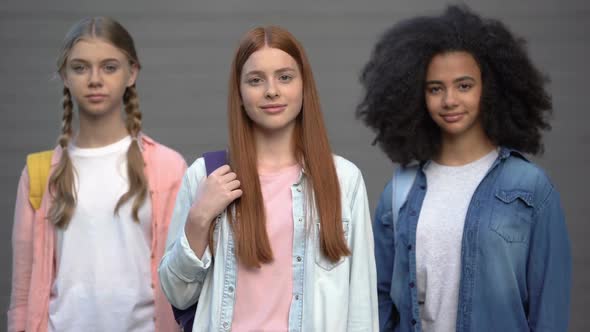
<point x="403" y="179"/>
<point x="186" y="317"/>
<point x="214" y="160"/>
<point x="38" y="166"/>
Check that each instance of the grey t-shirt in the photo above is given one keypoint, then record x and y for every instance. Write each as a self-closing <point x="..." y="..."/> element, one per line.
<point x="438" y="239"/>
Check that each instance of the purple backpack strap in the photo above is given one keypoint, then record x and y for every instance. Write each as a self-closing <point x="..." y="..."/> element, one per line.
<point x="186" y="317"/>
<point x="214" y="160"/>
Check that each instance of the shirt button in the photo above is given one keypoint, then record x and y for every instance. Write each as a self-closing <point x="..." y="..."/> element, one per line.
<point x="299" y="189"/>
<point x="410" y="247"/>
<point x="299" y="258"/>
<point x="300" y="219"/>
<point x="412" y="285"/>
<point x="412" y="213"/>
<point x="225" y="325"/>
<point x="414" y="322"/>
<point x="230" y="289"/>
<point x="422" y="187"/>
<point x="297" y="297"/>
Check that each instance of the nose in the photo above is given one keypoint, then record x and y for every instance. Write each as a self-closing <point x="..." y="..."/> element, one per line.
<point x="95" y="78"/>
<point x="272" y="90"/>
<point x="449" y="99"/>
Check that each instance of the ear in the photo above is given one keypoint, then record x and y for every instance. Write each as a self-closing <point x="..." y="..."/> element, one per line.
<point x="133" y="71"/>
<point x="64" y="79"/>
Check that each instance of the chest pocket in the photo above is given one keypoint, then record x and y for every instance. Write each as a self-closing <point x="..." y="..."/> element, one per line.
<point x="512" y="215"/>
<point x="321" y="260"/>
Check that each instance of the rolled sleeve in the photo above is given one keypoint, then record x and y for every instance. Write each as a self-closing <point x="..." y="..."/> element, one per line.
<point x="185" y="264"/>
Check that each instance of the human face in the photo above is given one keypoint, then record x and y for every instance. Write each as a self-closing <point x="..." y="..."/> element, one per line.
<point x="453" y="93"/>
<point x="271" y="88"/>
<point x="97" y="74"/>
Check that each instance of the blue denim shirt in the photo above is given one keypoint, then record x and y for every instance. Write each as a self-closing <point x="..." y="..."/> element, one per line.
<point x="515" y="254"/>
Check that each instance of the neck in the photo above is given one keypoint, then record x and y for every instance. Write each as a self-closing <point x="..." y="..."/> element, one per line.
<point x="98" y="131"/>
<point x="463" y="149"/>
<point x="275" y="149"/>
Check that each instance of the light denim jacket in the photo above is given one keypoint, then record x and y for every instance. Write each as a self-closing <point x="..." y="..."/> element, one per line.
<point x="515" y="254"/>
<point x="327" y="296"/>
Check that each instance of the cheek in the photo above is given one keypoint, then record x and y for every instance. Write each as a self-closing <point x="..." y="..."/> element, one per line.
<point x="432" y="104"/>
<point x="249" y="97"/>
<point x="295" y="94"/>
<point x="474" y="101"/>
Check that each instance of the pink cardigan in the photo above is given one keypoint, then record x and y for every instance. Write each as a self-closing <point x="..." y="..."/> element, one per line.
<point x="33" y="240"/>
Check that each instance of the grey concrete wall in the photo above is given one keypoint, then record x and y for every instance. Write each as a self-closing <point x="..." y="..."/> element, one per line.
<point x="186" y="47"/>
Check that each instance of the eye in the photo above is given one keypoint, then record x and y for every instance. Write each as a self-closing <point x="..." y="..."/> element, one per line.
<point x="465" y="87"/>
<point x="434" y="89"/>
<point x="111" y="68"/>
<point x="78" y="68"/>
<point x="254" y="80"/>
<point x="285" y="78"/>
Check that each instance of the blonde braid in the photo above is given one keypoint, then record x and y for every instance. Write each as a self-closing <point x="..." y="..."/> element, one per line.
<point x="135" y="163"/>
<point x="61" y="182"/>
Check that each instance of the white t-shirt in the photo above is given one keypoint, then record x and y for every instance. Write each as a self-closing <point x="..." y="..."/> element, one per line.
<point x="438" y="239"/>
<point x="103" y="276"/>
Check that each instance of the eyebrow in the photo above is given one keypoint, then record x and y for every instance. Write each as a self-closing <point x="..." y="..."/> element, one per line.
<point x="260" y="72"/>
<point x="103" y="61"/>
<point x="457" y="80"/>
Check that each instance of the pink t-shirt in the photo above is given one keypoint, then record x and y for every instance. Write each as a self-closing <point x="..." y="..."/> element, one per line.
<point x="263" y="295"/>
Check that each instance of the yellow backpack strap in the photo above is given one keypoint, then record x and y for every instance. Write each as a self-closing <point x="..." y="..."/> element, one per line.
<point x="38" y="165"/>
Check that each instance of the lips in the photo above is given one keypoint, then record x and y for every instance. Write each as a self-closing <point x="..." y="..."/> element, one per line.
<point x="453" y="117"/>
<point x="96" y="97"/>
<point x="273" y="108"/>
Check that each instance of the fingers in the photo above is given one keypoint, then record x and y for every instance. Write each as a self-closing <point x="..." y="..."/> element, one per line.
<point x="235" y="194"/>
<point x="228" y="177"/>
<point x="233" y="185"/>
<point x="221" y="171"/>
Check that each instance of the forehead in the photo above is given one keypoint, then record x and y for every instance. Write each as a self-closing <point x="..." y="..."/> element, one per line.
<point x="95" y="49"/>
<point x="269" y="59"/>
<point x="451" y="65"/>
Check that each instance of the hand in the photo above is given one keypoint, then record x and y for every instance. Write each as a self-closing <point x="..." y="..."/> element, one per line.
<point x="218" y="190"/>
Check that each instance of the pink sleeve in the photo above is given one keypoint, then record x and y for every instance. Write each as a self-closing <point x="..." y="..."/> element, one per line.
<point x="22" y="256"/>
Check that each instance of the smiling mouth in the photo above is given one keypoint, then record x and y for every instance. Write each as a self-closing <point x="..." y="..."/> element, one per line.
<point x="275" y="108"/>
<point x="451" y="118"/>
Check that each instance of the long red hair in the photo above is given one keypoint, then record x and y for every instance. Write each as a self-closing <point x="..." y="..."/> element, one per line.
<point x="312" y="148"/>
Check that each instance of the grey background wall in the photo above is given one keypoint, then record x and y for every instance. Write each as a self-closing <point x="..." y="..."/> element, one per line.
<point x="186" y="48"/>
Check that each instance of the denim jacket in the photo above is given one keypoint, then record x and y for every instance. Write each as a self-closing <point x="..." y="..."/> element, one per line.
<point x="327" y="296"/>
<point x="515" y="254"/>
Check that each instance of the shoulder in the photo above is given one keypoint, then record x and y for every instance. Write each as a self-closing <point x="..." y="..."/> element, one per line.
<point x="164" y="166"/>
<point x="196" y="172"/>
<point x="163" y="155"/>
<point x="349" y="176"/>
<point x="345" y="168"/>
<point x="520" y="174"/>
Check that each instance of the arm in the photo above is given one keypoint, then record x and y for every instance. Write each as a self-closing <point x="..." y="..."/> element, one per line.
<point x="22" y="256"/>
<point x="200" y="199"/>
<point x="181" y="272"/>
<point x="384" y="258"/>
<point x="549" y="268"/>
<point x="362" y="303"/>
